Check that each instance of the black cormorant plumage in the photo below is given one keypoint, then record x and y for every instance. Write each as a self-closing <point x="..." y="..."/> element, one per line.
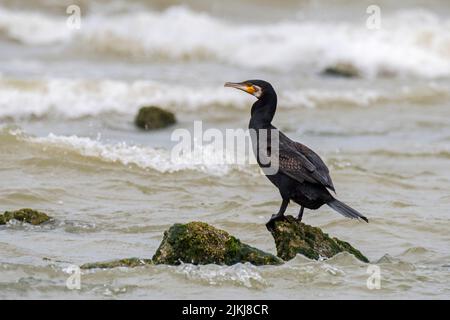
<point x="302" y="176"/>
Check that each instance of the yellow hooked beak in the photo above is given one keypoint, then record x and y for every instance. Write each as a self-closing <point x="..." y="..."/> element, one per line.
<point x="242" y="86"/>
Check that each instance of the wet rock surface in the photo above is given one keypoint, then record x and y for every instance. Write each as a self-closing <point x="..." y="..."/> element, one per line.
<point x="200" y="243"/>
<point x="27" y="215"/>
<point x="293" y="237"/>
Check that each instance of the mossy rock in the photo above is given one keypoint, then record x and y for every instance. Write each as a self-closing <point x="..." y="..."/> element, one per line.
<point x="200" y="243"/>
<point x="149" y="118"/>
<point x="129" y="263"/>
<point x="25" y="215"/>
<point x="293" y="237"/>
<point x="342" y="69"/>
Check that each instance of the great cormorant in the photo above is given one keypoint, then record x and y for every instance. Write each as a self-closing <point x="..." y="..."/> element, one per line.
<point x="301" y="176"/>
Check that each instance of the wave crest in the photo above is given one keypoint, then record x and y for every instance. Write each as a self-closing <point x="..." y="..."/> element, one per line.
<point x="413" y="42"/>
<point x="72" y="99"/>
<point x="159" y="160"/>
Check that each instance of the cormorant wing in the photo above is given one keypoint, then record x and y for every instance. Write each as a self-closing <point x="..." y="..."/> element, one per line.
<point x="301" y="163"/>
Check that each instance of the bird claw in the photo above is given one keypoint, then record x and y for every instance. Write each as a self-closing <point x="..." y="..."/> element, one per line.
<point x="273" y="218"/>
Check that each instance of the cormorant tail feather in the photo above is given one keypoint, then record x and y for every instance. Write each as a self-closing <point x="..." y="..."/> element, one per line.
<point x="345" y="210"/>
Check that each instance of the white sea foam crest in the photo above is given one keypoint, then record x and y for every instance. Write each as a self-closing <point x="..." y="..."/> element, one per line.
<point x="72" y="98"/>
<point x="76" y="98"/>
<point x="33" y="28"/>
<point x="242" y="274"/>
<point x="412" y="42"/>
<point x="143" y="157"/>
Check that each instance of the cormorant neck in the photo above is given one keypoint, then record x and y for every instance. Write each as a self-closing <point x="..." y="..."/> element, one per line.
<point x="263" y="111"/>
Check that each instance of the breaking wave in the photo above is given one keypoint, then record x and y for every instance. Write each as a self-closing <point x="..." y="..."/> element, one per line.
<point x="413" y="42"/>
<point x="72" y="99"/>
<point x="157" y="159"/>
<point x="240" y="274"/>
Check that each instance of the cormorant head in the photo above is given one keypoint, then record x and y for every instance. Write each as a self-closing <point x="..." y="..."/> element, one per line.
<point x="257" y="88"/>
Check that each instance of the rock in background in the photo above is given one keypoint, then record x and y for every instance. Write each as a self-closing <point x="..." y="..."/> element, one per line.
<point x="342" y="69"/>
<point x="149" y="118"/>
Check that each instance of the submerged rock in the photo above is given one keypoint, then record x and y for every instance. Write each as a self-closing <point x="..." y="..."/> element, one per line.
<point x="149" y="118"/>
<point x="342" y="69"/>
<point x="25" y="215"/>
<point x="293" y="237"/>
<point x="200" y="243"/>
<point x="129" y="262"/>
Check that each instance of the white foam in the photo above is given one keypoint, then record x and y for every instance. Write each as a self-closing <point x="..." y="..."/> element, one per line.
<point x="143" y="157"/>
<point x="34" y="28"/>
<point x="72" y="98"/>
<point x="411" y="42"/>
<point x="241" y="274"/>
<point x="415" y="42"/>
<point x="78" y="98"/>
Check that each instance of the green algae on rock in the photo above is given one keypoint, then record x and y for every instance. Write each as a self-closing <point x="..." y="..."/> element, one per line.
<point x="129" y="262"/>
<point x="200" y="243"/>
<point x="31" y="216"/>
<point x="292" y="237"/>
<point x="149" y="118"/>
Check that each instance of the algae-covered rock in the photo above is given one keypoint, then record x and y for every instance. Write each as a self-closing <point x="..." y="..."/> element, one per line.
<point x="293" y="237"/>
<point x="149" y="118"/>
<point x="25" y="215"/>
<point x="342" y="69"/>
<point x="200" y="243"/>
<point x="129" y="262"/>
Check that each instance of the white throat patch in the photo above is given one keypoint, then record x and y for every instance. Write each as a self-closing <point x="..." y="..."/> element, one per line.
<point x="258" y="91"/>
